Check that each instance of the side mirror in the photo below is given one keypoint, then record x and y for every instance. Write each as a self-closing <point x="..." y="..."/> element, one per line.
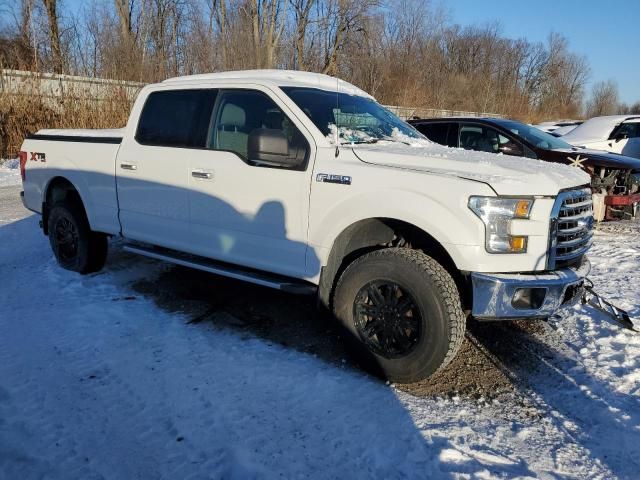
<point x="511" y="149"/>
<point x="621" y="136"/>
<point x="270" y="147"/>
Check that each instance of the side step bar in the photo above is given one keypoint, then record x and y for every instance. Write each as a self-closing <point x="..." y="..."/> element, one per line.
<point x="277" y="282"/>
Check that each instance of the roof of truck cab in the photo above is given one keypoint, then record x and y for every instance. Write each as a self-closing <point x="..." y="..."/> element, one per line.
<point x="279" y="78"/>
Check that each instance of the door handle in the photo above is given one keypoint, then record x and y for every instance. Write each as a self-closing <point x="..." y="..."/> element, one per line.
<point x="201" y="174"/>
<point x="128" y="166"/>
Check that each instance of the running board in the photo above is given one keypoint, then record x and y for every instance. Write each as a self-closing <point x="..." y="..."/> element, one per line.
<point x="277" y="282"/>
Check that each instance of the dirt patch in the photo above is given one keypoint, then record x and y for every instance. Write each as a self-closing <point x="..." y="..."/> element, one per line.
<point x="483" y="367"/>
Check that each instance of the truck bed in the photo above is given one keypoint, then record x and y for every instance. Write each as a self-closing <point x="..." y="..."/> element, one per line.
<point x="86" y="158"/>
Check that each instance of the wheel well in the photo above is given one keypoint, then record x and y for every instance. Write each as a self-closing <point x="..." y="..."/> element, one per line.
<point x="373" y="234"/>
<point x="59" y="189"/>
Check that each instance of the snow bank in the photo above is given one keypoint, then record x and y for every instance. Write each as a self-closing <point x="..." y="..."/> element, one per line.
<point x="10" y="172"/>
<point x="10" y="163"/>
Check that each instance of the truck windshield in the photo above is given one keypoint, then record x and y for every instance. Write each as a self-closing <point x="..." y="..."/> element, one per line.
<point x="353" y="118"/>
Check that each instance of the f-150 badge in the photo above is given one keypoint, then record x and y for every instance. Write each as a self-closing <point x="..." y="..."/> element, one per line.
<point x="330" y="178"/>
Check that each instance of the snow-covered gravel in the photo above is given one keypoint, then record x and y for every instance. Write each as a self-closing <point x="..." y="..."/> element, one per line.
<point x="10" y="172"/>
<point x="97" y="381"/>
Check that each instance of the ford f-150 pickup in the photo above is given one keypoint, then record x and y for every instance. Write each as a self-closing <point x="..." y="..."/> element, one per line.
<point x="304" y="183"/>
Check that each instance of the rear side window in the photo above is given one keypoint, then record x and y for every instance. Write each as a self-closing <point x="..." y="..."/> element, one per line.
<point x="436" y="132"/>
<point x="176" y="118"/>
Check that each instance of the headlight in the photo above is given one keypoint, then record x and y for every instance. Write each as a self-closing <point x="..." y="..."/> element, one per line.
<point x="496" y="214"/>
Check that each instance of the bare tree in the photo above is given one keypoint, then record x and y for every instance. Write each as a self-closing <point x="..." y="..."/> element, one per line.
<point x="125" y="14"/>
<point x="219" y="14"/>
<point x="604" y="99"/>
<point x="54" y="35"/>
<point x="302" y="19"/>
<point x="340" y="17"/>
<point x="267" y="20"/>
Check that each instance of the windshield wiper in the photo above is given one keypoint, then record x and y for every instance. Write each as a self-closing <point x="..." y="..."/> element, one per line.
<point x="356" y="142"/>
<point x="375" y="140"/>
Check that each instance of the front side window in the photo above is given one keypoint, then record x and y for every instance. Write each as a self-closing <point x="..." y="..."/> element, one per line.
<point x="533" y="135"/>
<point x="350" y="118"/>
<point x="486" y="139"/>
<point x="250" y="124"/>
<point x="176" y="118"/>
<point x="478" y="137"/>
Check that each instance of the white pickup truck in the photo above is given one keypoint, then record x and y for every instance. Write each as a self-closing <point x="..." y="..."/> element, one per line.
<point x="304" y="183"/>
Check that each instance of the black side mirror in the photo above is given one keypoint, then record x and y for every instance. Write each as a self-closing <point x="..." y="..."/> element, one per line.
<point x="270" y="147"/>
<point x="621" y="136"/>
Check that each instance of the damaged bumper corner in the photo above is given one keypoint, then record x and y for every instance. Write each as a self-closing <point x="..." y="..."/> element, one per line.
<point x="621" y="200"/>
<point x="503" y="296"/>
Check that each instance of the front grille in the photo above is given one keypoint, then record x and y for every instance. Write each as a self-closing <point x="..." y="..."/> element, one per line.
<point x="571" y="228"/>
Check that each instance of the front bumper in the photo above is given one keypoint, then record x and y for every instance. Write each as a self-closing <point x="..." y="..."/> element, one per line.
<point x="503" y="296"/>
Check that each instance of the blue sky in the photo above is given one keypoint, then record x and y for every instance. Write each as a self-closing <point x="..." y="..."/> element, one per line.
<point x="606" y="32"/>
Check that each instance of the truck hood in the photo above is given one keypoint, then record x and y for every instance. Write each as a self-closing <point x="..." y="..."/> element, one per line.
<point x="505" y="174"/>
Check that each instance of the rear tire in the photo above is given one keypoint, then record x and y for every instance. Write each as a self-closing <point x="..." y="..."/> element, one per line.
<point x="403" y="311"/>
<point x="74" y="245"/>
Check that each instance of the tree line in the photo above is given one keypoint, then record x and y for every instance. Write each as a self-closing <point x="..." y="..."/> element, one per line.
<point x="404" y="52"/>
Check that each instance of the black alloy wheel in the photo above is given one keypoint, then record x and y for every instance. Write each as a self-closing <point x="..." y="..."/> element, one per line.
<point x="387" y="319"/>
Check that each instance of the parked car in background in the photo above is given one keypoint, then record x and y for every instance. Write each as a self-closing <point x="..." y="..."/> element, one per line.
<point x="615" y="179"/>
<point x="615" y="133"/>
<point x="560" y="131"/>
<point x="553" y="127"/>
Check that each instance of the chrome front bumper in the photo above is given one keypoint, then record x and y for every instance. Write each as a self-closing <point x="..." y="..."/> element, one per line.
<point x="500" y="296"/>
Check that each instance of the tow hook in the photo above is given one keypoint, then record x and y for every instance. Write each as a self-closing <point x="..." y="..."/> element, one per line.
<point x="590" y="297"/>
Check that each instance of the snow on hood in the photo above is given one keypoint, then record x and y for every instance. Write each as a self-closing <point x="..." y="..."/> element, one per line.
<point x="505" y="174"/>
<point x="103" y="132"/>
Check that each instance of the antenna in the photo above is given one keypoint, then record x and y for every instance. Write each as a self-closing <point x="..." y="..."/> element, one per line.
<point x="337" y="134"/>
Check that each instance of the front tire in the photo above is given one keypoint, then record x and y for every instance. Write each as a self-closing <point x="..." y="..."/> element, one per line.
<point x="74" y="245"/>
<point x="403" y="310"/>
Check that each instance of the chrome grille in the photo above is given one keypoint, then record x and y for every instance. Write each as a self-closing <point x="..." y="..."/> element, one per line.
<point x="571" y="228"/>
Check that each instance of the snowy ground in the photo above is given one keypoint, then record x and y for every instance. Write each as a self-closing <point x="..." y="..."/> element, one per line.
<point x="9" y="172"/>
<point x="99" y="380"/>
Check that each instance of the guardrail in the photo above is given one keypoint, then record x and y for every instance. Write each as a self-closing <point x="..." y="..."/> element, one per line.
<point x="49" y="85"/>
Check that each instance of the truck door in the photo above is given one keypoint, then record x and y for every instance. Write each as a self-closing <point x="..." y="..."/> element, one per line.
<point x="245" y="211"/>
<point x="153" y="166"/>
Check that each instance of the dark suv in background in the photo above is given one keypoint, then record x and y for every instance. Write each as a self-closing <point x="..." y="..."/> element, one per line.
<point x="615" y="178"/>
